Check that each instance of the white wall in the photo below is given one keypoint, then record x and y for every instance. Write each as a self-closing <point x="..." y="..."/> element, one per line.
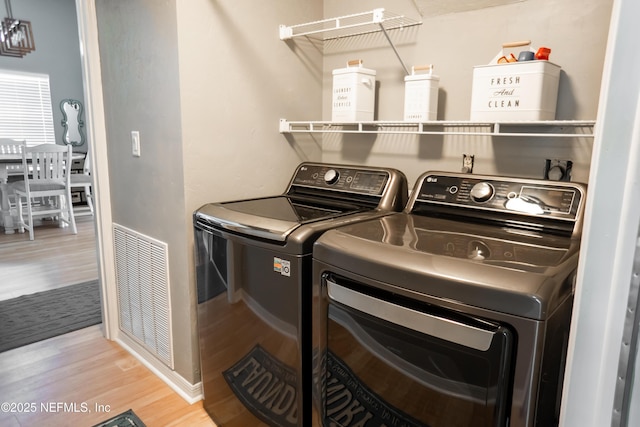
<point x="454" y="41"/>
<point x="605" y="273"/>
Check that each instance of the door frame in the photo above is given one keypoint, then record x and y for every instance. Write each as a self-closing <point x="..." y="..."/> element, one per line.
<point x="97" y="141"/>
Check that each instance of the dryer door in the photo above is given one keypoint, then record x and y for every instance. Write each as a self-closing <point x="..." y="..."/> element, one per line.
<point x="407" y="363"/>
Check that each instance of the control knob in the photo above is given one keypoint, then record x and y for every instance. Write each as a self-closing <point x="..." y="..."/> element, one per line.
<point x="331" y="176"/>
<point x="481" y="192"/>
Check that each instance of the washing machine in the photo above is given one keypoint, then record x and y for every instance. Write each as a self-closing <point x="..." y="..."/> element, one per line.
<point x="253" y="274"/>
<point x="455" y="312"/>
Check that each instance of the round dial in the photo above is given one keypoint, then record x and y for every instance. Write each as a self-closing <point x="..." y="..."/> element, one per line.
<point x="331" y="176"/>
<point x="481" y="192"/>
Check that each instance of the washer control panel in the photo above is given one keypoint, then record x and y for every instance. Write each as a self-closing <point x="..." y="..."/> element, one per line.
<point x="345" y="179"/>
<point x="561" y="201"/>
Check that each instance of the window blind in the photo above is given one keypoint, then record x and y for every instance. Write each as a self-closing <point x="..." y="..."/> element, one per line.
<point x="25" y="107"/>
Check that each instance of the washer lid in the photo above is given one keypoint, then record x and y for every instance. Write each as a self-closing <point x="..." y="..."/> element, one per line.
<point x="505" y="270"/>
<point x="272" y="218"/>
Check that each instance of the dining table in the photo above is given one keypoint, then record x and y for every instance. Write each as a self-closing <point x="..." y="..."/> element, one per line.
<point x="11" y="165"/>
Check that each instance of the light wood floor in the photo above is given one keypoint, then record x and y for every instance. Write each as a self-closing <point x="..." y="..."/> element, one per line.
<point x="82" y="370"/>
<point x="55" y="258"/>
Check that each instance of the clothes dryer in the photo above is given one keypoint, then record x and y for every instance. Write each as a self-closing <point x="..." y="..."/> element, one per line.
<point x="454" y="312"/>
<point x="253" y="265"/>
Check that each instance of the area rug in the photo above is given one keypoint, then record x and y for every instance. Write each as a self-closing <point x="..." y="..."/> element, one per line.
<point x="36" y="317"/>
<point x="267" y="387"/>
<point x="275" y="400"/>
<point x="126" y="419"/>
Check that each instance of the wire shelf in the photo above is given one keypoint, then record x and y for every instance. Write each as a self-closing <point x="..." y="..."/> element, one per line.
<point x="348" y="25"/>
<point x="547" y="128"/>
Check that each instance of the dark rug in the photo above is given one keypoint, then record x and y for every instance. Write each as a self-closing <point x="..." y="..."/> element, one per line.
<point x="36" y="317"/>
<point x="343" y="387"/>
<point x="126" y="419"/>
<point x="275" y="400"/>
<point x="267" y="387"/>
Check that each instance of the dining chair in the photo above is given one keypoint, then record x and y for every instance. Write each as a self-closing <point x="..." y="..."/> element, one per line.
<point x="9" y="148"/>
<point x="84" y="181"/>
<point x="10" y="165"/>
<point x="45" y="176"/>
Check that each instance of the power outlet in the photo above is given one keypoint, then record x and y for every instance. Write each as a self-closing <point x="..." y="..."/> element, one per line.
<point x="135" y="143"/>
<point x="558" y="170"/>
<point x="467" y="163"/>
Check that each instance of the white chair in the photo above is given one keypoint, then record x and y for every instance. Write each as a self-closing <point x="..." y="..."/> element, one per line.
<point x="45" y="176"/>
<point x="11" y="148"/>
<point x="11" y="156"/>
<point x="84" y="181"/>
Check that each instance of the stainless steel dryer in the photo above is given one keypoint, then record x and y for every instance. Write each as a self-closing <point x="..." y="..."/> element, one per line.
<point x="455" y="312"/>
<point x="253" y="266"/>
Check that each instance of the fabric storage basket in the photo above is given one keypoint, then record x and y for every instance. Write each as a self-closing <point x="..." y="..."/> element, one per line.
<point x="353" y="93"/>
<point x="421" y="94"/>
<point x="515" y="91"/>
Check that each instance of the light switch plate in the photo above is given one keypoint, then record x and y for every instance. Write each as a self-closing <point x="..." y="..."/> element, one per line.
<point x="135" y="143"/>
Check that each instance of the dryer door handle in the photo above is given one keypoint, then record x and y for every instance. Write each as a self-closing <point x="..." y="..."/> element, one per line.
<point x="419" y="321"/>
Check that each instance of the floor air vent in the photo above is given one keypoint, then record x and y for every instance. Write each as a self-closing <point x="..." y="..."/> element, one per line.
<point x="143" y="291"/>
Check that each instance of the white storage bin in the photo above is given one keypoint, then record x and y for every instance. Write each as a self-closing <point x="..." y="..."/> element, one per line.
<point x="354" y="89"/>
<point x="515" y="91"/>
<point x="421" y="95"/>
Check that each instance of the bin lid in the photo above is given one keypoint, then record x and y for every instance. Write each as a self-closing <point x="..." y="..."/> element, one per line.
<point x="419" y="77"/>
<point x="354" y="70"/>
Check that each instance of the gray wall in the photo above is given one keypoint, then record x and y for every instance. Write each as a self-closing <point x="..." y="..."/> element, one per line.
<point x="204" y="82"/>
<point x="55" y="31"/>
<point x="139" y="56"/>
<point x="237" y="79"/>
<point x="456" y="36"/>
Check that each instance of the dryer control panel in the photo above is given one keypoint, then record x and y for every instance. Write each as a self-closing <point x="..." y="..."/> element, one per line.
<point x="367" y="181"/>
<point x="497" y="196"/>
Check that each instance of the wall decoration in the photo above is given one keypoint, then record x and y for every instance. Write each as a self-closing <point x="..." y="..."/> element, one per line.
<point x="72" y="121"/>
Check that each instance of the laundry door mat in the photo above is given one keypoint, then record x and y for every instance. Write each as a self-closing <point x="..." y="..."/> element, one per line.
<point x="126" y="419"/>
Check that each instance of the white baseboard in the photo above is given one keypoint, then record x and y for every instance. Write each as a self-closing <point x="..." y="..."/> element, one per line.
<point x="192" y="393"/>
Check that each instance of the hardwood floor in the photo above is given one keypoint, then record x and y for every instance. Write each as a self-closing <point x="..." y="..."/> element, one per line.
<point x="77" y="379"/>
<point x="54" y="259"/>
<point x="81" y="379"/>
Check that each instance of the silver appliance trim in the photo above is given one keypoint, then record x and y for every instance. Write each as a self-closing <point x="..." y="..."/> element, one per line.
<point x="445" y="329"/>
<point x="266" y="228"/>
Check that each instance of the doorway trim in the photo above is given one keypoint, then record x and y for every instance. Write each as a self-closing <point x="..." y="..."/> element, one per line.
<point x="97" y="140"/>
